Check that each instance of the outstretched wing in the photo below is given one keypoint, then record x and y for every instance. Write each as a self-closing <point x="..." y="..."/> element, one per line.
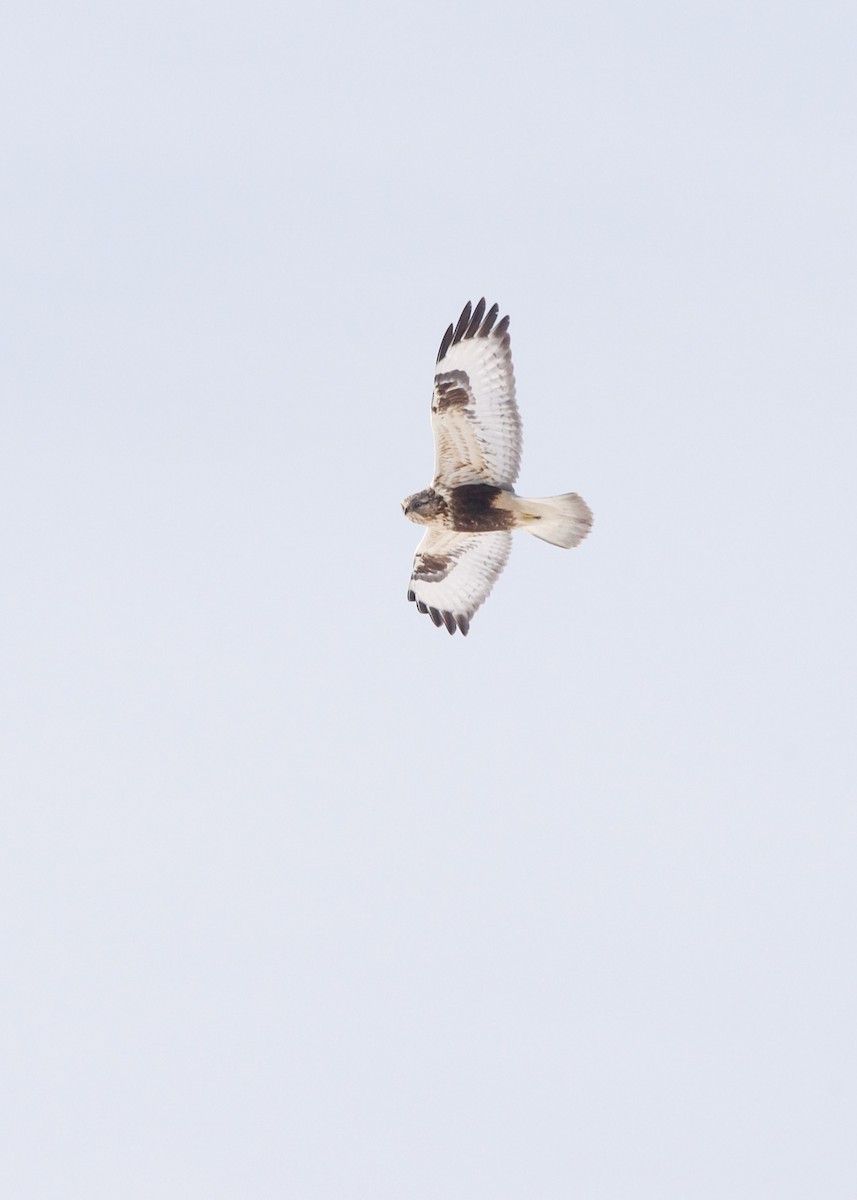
<point x="454" y="572"/>
<point x="477" y="428"/>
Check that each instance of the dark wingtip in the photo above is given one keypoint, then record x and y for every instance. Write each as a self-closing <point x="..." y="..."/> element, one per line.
<point x="463" y="322"/>
<point x="476" y="319"/>
<point x="439" y="617"/>
<point x="445" y="343"/>
<point x="471" y="324"/>
<point x="488" y="323"/>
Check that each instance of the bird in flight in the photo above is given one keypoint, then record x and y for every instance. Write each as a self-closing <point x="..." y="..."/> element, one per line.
<point x="471" y="506"/>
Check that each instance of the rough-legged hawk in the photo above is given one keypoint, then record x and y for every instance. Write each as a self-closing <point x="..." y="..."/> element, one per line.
<point x="471" y="506"/>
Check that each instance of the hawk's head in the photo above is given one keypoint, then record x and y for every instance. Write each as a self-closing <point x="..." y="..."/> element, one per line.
<point x="425" y="508"/>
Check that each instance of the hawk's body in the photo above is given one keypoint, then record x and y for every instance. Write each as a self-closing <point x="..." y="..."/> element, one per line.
<point x="471" y="507"/>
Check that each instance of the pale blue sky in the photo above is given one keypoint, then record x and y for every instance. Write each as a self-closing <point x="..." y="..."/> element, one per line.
<point x="301" y="897"/>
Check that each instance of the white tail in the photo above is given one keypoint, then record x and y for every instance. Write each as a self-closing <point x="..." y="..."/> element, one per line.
<point x="561" y="520"/>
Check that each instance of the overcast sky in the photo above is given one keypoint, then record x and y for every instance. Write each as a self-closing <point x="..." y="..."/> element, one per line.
<point x="300" y="897"/>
